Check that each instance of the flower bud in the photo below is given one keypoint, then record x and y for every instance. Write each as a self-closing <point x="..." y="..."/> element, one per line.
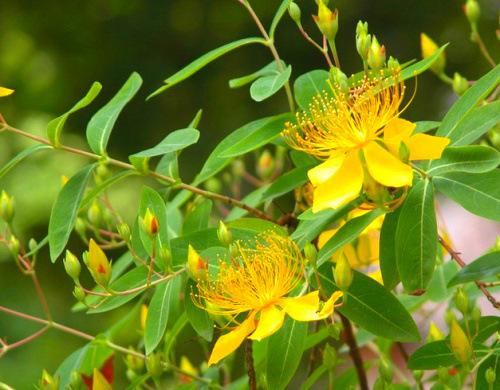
<point x="6" y="207"/>
<point x="476" y="314"/>
<point x="72" y="265"/>
<point x="197" y="267"/>
<point x="143" y="316"/>
<point x="224" y="234"/>
<point x="461" y="301"/>
<point x="343" y="273"/>
<point x="14" y="246"/>
<point x="386" y="369"/>
<point x="124" y="231"/>
<point x="5" y="91"/>
<point x="79" y="294"/>
<point x="32" y="244"/>
<point x="165" y="256"/>
<point x="339" y="79"/>
<point x="472" y="11"/>
<point x="294" y="12"/>
<point x="363" y="40"/>
<point x="81" y="227"/>
<point x="237" y="167"/>
<point x="327" y="21"/>
<point x="102" y="171"/>
<point x="310" y="253"/>
<point x="149" y="223"/>
<point x="449" y="317"/>
<point x="393" y="64"/>
<point x="131" y="375"/>
<point x="188" y="368"/>
<point x="48" y="382"/>
<point x="490" y="376"/>
<point x="460" y="84"/>
<point x="94" y="214"/>
<point x="376" y="55"/>
<point x="330" y="357"/>
<point x="134" y="362"/>
<point x="213" y="185"/>
<point x="75" y="380"/>
<point x="418" y="374"/>
<point x="429" y="47"/>
<point x="98" y="264"/>
<point x="435" y="333"/>
<point x="265" y="165"/>
<point x="460" y="343"/>
<point x="153" y="364"/>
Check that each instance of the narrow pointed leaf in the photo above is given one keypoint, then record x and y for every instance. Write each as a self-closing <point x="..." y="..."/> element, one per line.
<point x="484" y="267"/>
<point x="198" y="318"/>
<point x="278" y="16"/>
<point x="472" y="159"/>
<point x="21" y="156"/>
<point x="387" y="250"/>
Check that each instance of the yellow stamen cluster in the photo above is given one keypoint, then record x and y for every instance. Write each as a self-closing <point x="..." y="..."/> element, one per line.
<point x="256" y="278"/>
<point x="339" y="122"/>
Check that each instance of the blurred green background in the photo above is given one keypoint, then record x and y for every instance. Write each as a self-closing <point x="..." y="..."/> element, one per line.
<point x="51" y="52"/>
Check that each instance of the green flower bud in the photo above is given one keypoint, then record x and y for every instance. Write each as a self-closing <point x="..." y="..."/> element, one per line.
<point x="343" y="273"/>
<point x="131" y="375"/>
<point x="14" y="246"/>
<point x="134" y="362"/>
<point x="224" y="234"/>
<point x="81" y="227"/>
<point x="102" y="171"/>
<point x="460" y="84"/>
<point x="386" y="369"/>
<point x="310" y="253"/>
<point x="124" y="231"/>
<point x="363" y="40"/>
<point x="393" y="64"/>
<point x="265" y="165"/>
<point x="75" y="380"/>
<point x="238" y="167"/>
<point x="79" y="294"/>
<point x="32" y="244"/>
<point x="149" y="223"/>
<point x="461" y="301"/>
<point x="330" y="357"/>
<point x="6" y="207"/>
<point x="472" y="11"/>
<point x="327" y="21"/>
<point x="72" y="265"/>
<point x="233" y="250"/>
<point x="418" y="374"/>
<point x="476" y="314"/>
<point x="153" y="364"/>
<point x="376" y="55"/>
<point x="94" y="214"/>
<point x="213" y="185"/>
<point x="48" y="382"/>
<point x="294" y="12"/>
<point x="490" y="376"/>
<point x="339" y="78"/>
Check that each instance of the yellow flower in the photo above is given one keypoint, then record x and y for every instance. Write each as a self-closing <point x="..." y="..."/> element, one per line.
<point x="5" y="91"/>
<point x="257" y="282"/>
<point x="98" y="264"/>
<point x="429" y="47"/>
<point x="187" y="369"/>
<point x="360" y="136"/>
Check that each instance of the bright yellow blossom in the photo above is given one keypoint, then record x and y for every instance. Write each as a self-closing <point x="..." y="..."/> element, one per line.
<point x="360" y="136"/>
<point x="257" y="282"/>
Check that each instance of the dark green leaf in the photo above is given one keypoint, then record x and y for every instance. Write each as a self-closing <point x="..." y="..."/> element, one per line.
<point x="65" y="210"/>
<point x="416" y="238"/>
<point x="467" y="102"/>
<point x="477" y="193"/>
<point x="432" y="355"/>
<point x="55" y="126"/>
<point x="278" y="16"/>
<point x="346" y="234"/>
<point x="481" y="268"/>
<point x="21" y="156"/>
<point x="198" y="217"/>
<point x="301" y="159"/>
<point x="309" y="85"/>
<point x="100" y="125"/>
<point x="487" y="327"/>
<point x="266" y="86"/>
<point x="472" y="159"/>
<point x="204" y="60"/>
<point x="198" y="318"/>
<point x="159" y="310"/>
<point x="373" y="307"/>
<point x="387" y="250"/>
<point x="492" y="362"/>
<point x="287" y="344"/>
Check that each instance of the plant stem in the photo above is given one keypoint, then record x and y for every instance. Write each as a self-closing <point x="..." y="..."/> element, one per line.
<point x="252" y="381"/>
<point x="323" y="50"/>
<point x="354" y="353"/>
<point x="476" y="37"/>
<point x="456" y="256"/>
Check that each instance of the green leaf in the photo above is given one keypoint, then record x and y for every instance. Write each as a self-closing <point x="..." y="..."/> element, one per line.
<point x="425" y="126"/>
<point x="422" y="65"/>
<point x="416" y="238"/>
<point x="204" y="60"/>
<point x="278" y="16"/>
<point x="100" y="125"/>
<point x="477" y="193"/>
<point x="472" y="159"/>
<point x="169" y="165"/>
<point x="253" y="199"/>
<point x="198" y="217"/>
<point x="198" y="318"/>
<point x="100" y="188"/>
<point x="267" y="70"/>
<point x="488" y="326"/>
<point x="65" y="210"/>
<point x="266" y="86"/>
<point x="284" y="352"/>
<point x="256" y="134"/>
<point x="132" y="279"/>
<point x="482" y="268"/>
<point x="437" y="290"/>
<point x="432" y="355"/>
<point x="309" y="85"/>
<point x="287" y="182"/>
<point x="387" y="250"/>
<point x="160" y="307"/>
<point x="262" y="129"/>
<point x="346" y="234"/>
<point x="70" y="364"/>
<point x="21" y="156"/>
<point x="55" y="126"/>
<point x="373" y="307"/>
<point x="494" y="362"/>
<point x="175" y="141"/>
<point x="95" y="356"/>
<point x="467" y="102"/>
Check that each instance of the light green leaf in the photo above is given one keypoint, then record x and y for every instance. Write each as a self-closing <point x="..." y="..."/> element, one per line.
<point x="477" y="193"/>
<point x="198" y="217"/>
<point x="21" y="156"/>
<point x="487" y="326"/>
<point x="387" y="250"/>
<point x="95" y="356"/>
<point x="484" y="267"/>
<point x="416" y="238"/>
<point x="169" y="165"/>
<point x="422" y="65"/>
<point x="266" y="86"/>
<point x="288" y="345"/>
<point x="55" y="126"/>
<point x="432" y="355"/>
<point x="198" y="318"/>
<point x="346" y="234"/>
<point x="425" y="126"/>
<point x="100" y="125"/>
<point x="467" y="102"/>
<point x="472" y="159"/>
<point x="278" y="16"/>
<point x="287" y="182"/>
<point x="267" y="70"/>
<point x="65" y="210"/>
<point x="159" y="310"/>
<point x="309" y="85"/>
<point x="70" y="364"/>
<point x="204" y="60"/>
<point x="258" y="133"/>
<point x="373" y="307"/>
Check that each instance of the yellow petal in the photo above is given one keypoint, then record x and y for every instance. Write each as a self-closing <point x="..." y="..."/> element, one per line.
<point x="304" y="308"/>
<point x="329" y="305"/>
<point x="228" y="343"/>
<point x="271" y="319"/>
<point x="5" y="91"/>
<point x="99" y="382"/>
<point x="324" y="171"/>
<point x="385" y="168"/>
<point x="363" y="249"/>
<point x="325" y="236"/>
<point x="397" y="131"/>
<point x="427" y="147"/>
<point x="342" y="187"/>
<point x="376" y="275"/>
